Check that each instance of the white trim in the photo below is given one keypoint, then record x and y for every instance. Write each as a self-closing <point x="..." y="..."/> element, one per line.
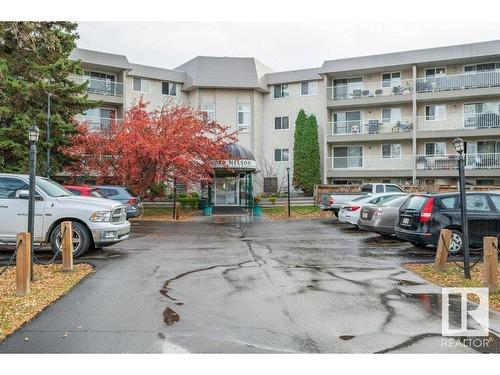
<point x="482" y="63"/>
<point x="435" y="67"/>
<point x="309" y="81"/>
<point x="281" y="155"/>
<point x="437" y="118"/>
<point x="435" y="155"/>
<point x="244" y="128"/>
<point x="142" y="79"/>
<point x="281" y="130"/>
<point x="390" y="157"/>
<point x="390" y="81"/>
<point x="281" y="84"/>
<point x="169" y="82"/>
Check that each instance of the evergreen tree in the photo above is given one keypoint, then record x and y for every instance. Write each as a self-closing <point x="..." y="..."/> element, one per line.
<point x="307" y="155"/>
<point x="298" y="159"/>
<point x="34" y="61"/>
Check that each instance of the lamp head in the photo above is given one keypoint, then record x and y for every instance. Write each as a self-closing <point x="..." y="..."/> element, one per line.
<point x="458" y="143"/>
<point x="33" y="133"/>
<point x="288" y="169"/>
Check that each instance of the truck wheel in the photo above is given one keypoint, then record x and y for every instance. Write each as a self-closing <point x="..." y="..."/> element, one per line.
<point x="81" y="239"/>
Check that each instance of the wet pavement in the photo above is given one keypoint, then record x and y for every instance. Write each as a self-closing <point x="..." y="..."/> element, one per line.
<point x="234" y="286"/>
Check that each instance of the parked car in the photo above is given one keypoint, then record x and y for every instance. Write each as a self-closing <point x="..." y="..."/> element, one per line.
<point x="84" y="191"/>
<point x="350" y="211"/>
<point x="422" y="217"/>
<point x="334" y="202"/>
<point x="381" y="218"/>
<point x="96" y="221"/>
<point x="121" y="194"/>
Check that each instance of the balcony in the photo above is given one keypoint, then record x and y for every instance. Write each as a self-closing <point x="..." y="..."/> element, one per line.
<point x="447" y="162"/>
<point x="370" y="90"/>
<point x="467" y="121"/>
<point x="357" y="127"/>
<point x="101" y="86"/>
<point x="458" y="82"/>
<point x="370" y="163"/>
<point x="100" y="123"/>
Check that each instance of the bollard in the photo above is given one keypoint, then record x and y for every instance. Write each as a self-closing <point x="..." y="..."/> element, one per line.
<point x="490" y="263"/>
<point x="176" y="208"/>
<point x="442" y="250"/>
<point x="67" y="246"/>
<point x="23" y="269"/>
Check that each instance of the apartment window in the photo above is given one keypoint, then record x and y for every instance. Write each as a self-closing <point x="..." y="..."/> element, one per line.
<point x="309" y="88"/>
<point x="208" y="110"/>
<point x="348" y="157"/>
<point x="435" y="72"/>
<point x="169" y="88"/>
<point x="391" y="151"/>
<point x="99" y="118"/>
<point x="347" y="122"/>
<point x="489" y="182"/>
<point x="281" y="123"/>
<point x="281" y="154"/>
<point x="391" y="115"/>
<point x="281" y="91"/>
<point x="478" y="68"/>
<point x="347" y="87"/>
<point x="435" y="149"/>
<point x="391" y="79"/>
<point x="141" y="85"/>
<point x="435" y="112"/>
<point x="100" y="83"/>
<point x="244" y="116"/>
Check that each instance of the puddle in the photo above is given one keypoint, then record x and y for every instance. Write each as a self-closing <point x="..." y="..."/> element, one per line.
<point x="346" y="337"/>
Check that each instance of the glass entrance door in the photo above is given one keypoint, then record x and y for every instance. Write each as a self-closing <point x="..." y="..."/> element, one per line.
<point x="226" y="191"/>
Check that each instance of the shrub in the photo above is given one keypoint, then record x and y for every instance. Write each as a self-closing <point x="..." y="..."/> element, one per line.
<point x="272" y="199"/>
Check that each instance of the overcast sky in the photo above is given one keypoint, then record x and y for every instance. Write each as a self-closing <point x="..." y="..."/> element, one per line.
<point x="285" y="45"/>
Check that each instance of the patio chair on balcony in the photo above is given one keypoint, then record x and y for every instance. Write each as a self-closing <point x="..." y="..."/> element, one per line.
<point x="365" y="93"/>
<point x="355" y="129"/>
<point x="396" y="90"/>
<point x="378" y="92"/>
<point x="373" y="126"/>
<point x="356" y="93"/>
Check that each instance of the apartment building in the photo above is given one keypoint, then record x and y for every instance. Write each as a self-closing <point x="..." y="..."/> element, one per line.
<point x="388" y="118"/>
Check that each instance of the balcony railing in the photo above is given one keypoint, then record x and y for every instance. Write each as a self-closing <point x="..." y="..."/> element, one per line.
<point x="402" y="125"/>
<point x="101" y="86"/>
<point x="100" y="123"/>
<point x="458" y="82"/>
<point x="370" y="89"/>
<point x="423" y="162"/>
<point x="370" y="162"/>
<point x="452" y="122"/>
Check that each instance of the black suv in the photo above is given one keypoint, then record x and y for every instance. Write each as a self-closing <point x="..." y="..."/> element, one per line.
<point x="422" y="217"/>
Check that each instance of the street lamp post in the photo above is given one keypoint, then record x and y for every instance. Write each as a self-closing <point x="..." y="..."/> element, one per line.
<point x="47" y="172"/>
<point x="288" y="187"/>
<point x="33" y="133"/>
<point x="458" y="143"/>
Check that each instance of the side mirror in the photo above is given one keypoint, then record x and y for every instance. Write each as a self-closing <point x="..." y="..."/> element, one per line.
<point x="24" y="194"/>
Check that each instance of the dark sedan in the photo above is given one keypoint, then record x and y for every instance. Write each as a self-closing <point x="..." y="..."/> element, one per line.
<point x="381" y="218"/>
<point x="422" y="217"/>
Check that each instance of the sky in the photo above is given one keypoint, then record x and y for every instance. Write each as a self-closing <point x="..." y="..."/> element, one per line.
<point x="279" y="45"/>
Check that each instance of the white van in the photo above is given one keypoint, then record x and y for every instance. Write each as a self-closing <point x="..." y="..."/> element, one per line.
<point x="96" y="222"/>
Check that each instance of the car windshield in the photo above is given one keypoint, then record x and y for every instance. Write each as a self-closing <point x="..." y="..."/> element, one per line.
<point x="51" y="188"/>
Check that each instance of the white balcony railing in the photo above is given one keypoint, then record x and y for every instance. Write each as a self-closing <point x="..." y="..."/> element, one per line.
<point x="453" y="122"/>
<point x="459" y="82"/>
<point x="406" y="162"/>
<point x="370" y="89"/>
<point x="100" y="123"/>
<point x="101" y="86"/>
<point x="402" y="125"/>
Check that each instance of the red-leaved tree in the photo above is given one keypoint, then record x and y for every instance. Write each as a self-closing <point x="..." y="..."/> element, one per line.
<point x="150" y="147"/>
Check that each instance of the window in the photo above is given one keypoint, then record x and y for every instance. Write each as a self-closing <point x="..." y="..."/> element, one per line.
<point x="281" y="123"/>
<point x="477" y="202"/>
<point x="496" y="200"/>
<point x="391" y="79"/>
<point x="281" y="154"/>
<point x="391" y="151"/>
<point x="281" y="91"/>
<point x="435" y="72"/>
<point x="392" y="189"/>
<point x="347" y="87"/>
<point x="347" y="122"/>
<point x="208" y="110"/>
<point x="391" y="115"/>
<point x="309" y="88"/>
<point x="435" y="149"/>
<point x="141" y="85"/>
<point x="9" y="186"/>
<point x="169" y="88"/>
<point x="101" y="83"/>
<point x="478" y="68"/>
<point x="435" y="112"/>
<point x="244" y="116"/>
<point x="449" y="202"/>
<point x="348" y="157"/>
<point x="486" y="182"/>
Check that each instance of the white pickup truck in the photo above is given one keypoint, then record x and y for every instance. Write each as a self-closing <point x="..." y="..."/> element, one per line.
<point x="96" y="222"/>
<point x="333" y="202"/>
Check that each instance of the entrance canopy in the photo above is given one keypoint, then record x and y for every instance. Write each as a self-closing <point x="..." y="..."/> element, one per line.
<point x="240" y="160"/>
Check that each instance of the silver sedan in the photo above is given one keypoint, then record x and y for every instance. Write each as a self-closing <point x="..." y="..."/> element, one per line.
<point x="381" y="218"/>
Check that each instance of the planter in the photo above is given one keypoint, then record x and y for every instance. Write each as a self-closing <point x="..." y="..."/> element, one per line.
<point x="207" y="211"/>
<point x="257" y="211"/>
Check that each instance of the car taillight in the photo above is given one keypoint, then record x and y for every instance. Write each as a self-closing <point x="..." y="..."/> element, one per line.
<point x="330" y="200"/>
<point x="426" y="213"/>
<point x="352" y="208"/>
<point x="132" y="201"/>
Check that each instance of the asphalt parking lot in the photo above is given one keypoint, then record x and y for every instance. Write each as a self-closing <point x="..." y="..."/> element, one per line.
<point x="234" y="286"/>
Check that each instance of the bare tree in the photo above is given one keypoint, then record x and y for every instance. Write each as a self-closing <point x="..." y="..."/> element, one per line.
<point x="272" y="169"/>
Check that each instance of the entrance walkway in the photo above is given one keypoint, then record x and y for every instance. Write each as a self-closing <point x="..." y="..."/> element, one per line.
<point x="229" y="210"/>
